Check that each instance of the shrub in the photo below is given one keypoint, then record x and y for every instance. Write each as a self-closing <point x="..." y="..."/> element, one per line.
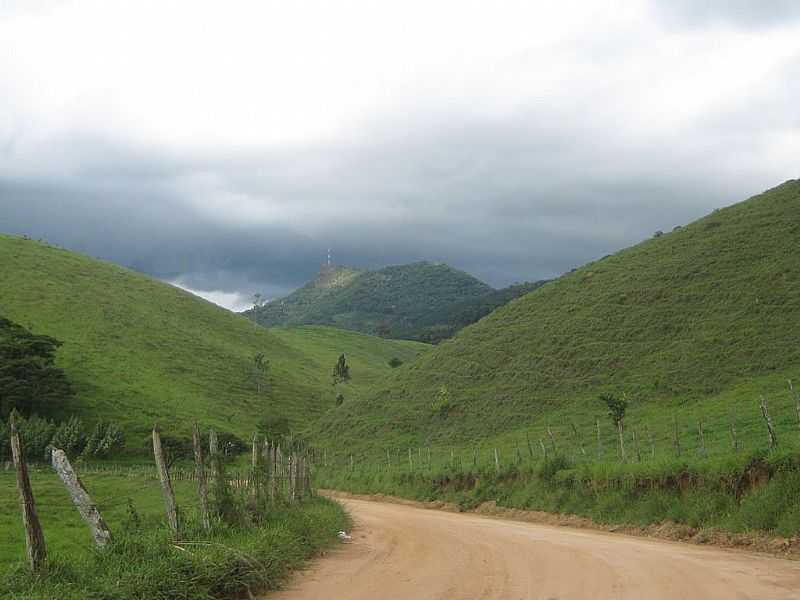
<point x="395" y="362"/>
<point x="441" y="405"/>
<point x="69" y="437"/>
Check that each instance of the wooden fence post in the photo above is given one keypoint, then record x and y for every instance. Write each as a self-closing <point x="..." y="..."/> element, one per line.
<point x="773" y="439"/>
<point x="796" y="395"/>
<point x="166" y="485"/>
<point x="734" y="437"/>
<point x="676" y="440"/>
<point x="213" y="450"/>
<point x="80" y="497"/>
<point x="410" y="462"/>
<point x="650" y="440"/>
<point x="702" y="436"/>
<point x="496" y="461"/>
<point x="200" y="470"/>
<point x="34" y="537"/>
<point x="621" y="435"/>
<point x="578" y="438"/>
<point x="599" y="439"/>
<point x="552" y="439"/>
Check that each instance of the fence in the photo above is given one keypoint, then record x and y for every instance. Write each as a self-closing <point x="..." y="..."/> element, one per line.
<point x="274" y="476"/>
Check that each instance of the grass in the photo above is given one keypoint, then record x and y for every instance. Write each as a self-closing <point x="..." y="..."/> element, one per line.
<point x="744" y="493"/>
<point x="143" y="561"/>
<point x="692" y="325"/>
<point x="138" y="350"/>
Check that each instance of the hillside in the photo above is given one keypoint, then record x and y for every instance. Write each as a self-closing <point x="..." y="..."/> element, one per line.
<point x="692" y="325"/>
<point x="422" y="301"/>
<point x="137" y="350"/>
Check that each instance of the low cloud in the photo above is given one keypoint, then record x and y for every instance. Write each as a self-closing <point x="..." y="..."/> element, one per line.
<point x="518" y="169"/>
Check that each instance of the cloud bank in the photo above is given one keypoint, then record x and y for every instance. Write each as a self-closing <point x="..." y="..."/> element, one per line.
<point x="225" y="151"/>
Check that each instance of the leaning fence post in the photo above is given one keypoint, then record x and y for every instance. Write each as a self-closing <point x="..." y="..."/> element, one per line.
<point x="496" y="461"/>
<point x="80" y="497"/>
<point x="34" y="537"/>
<point x="200" y="470"/>
<point x="166" y="484"/>
<point x="773" y="440"/>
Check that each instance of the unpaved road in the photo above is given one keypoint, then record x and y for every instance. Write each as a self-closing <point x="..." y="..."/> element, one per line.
<point x="404" y="553"/>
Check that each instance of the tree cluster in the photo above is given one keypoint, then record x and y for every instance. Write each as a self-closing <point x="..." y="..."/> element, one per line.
<point x="29" y="380"/>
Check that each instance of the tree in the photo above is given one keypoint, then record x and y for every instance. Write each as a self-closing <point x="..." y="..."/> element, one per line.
<point x="261" y="370"/>
<point x="341" y="371"/>
<point x="395" y="362"/>
<point x="441" y="404"/>
<point x="29" y="380"/>
<point x="616" y="411"/>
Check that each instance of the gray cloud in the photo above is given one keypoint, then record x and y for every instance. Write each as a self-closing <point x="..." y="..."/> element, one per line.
<point x="596" y="162"/>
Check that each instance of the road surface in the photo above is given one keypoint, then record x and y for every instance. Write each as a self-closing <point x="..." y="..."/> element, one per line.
<point x="404" y="553"/>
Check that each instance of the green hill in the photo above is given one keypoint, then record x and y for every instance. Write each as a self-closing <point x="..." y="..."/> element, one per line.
<point x="137" y="350"/>
<point x="422" y="301"/>
<point x="693" y="325"/>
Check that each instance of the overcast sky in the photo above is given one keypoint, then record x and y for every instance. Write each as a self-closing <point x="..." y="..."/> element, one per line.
<point x="225" y="145"/>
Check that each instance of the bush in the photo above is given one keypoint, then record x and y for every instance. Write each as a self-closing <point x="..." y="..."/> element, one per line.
<point x="441" y="405"/>
<point x="69" y="437"/>
<point x="105" y="440"/>
<point x="395" y="362"/>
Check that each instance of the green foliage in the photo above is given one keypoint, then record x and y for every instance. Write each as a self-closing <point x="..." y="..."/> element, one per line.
<point x="341" y="370"/>
<point x="105" y="440"/>
<point x="339" y="399"/>
<point x="441" y="404"/>
<point x="395" y="362"/>
<point x="261" y="370"/>
<point x="700" y="494"/>
<point x="616" y="407"/>
<point x="29" y="379"/>
<point x="421" y="301"/>
<point x="70" y="437"/>
<point x="274" y="427"/>
<point x="145" y="563"/>
<point x="696" y="323"/>
<point x="36" y="433"/>
<point x="137" y="350"/>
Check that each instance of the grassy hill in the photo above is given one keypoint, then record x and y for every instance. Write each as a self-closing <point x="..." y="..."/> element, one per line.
<point x="138" y="350"/>
<point x="692" y="325"/>
<point x="422" y="301"/>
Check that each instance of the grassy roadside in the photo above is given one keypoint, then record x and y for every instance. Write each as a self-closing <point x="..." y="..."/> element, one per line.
<point x="754" y="492"/>
<point x="144" y="561"/>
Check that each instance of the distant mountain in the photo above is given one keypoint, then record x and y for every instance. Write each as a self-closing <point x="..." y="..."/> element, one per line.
<point x="419" y="301"/>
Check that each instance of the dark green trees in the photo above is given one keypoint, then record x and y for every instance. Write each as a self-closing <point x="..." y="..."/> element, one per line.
<point x="341" y="371"/>
<point x="29" y="380"/>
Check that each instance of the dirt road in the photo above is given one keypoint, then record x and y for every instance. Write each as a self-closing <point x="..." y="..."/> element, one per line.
<point x="399" y="552"/>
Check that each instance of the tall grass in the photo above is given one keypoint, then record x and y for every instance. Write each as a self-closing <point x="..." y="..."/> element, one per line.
<point x="754" y="491"/>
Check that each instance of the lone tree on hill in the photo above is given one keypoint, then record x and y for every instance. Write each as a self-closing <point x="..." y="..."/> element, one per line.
<point x="616" y="410"/>
<point x="261" y="366"/>
<point x="29" y="380"/>
<point x="341" y="371"/>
